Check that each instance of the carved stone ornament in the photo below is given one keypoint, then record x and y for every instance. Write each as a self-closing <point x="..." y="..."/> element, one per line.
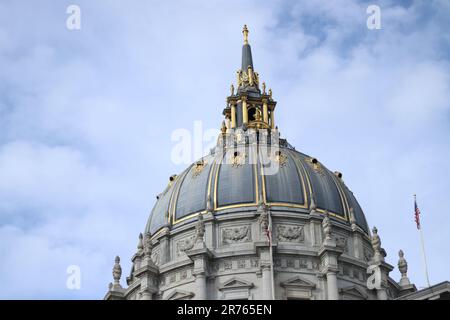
<point x="148" y="246"/>
<point x="140" y="245"/>
<point x="315" y="164"/>
<point x="281" y="159"/>
<point x="263" y="218"/>
<point x="236" y="234"/>
<point x="290" y="233"/>
<point x="402" y="264"/>
<point x="341" y="242"/>
<point x="185" y="244"/>
<point x="326" y="225"/>
<point x="199" y="229"/>
<point x="117" y="270"/>
<point x="376" y="245"/>
<point x="198" y="168"/>
<point x="238" y="159"/>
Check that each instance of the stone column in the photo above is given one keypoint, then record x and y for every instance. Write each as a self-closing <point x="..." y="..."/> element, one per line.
<point x="210" y="231"/>
<point x="381" y="294"/>
<point x="358" y="246"/>
<point x="164" y="246"/>
<point x="378" y="268"/>
<point x="332" y="286"/>
<point x="357" y="237"/>
<point x="200" y="283"/>
<point x="315" y="228"/>
<point x="148" y="273"/>
<point x="329" y="254"/>
<point x="266" y="282"/>
<point x="146" y="295"/>
<point x="200" y="255"/>
<point x="378" y="279"/>
<point x="322" y="286"/>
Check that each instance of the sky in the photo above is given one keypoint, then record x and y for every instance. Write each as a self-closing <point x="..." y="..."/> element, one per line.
<point x="87" y="117"/>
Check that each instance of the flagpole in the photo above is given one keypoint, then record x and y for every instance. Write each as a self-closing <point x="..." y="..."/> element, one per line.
<point x="271" y="257"/>
<point x="423" y="249"/>
<point x="424" y="256"/>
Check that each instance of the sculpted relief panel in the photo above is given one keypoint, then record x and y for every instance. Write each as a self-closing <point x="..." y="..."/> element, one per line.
<point x="342" y="243"/>
<point x="236" y="234"/>
<point x="290" y="233"/>
<point x="185" y="244"/>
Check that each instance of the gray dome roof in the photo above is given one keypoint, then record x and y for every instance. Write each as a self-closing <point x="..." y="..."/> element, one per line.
<point x="238" y="187"/>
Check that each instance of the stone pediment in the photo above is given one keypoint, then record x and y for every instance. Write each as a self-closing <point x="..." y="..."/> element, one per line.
<point x="299" y="282"/>
<point x="235" y="283"/>
<point x="353" y="291"/>
<point x="180" y="295"/>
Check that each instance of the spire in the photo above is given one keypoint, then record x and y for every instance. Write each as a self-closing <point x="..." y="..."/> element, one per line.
<point x="245" y="33"/>
<point x="248" y="106"/>
<point x="246" y="52"/>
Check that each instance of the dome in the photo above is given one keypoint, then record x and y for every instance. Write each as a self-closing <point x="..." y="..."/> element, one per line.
<point x="230" y="188"/>
<point x="256" y="219"/>
<point x="235" y="177"/>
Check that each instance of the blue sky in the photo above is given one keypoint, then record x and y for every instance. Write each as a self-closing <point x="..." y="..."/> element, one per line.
<point x="86" y="118"/>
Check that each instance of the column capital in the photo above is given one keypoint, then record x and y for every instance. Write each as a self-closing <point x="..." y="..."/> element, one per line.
<point x="329" y="256"/>
<point x="199" y="253"/>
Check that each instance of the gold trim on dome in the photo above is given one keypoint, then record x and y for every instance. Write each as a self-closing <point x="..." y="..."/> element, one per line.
<point x="157" y="233"/>
<point x="190" y="216"/>
<point x="346" y="207"/>
<point x="258" y="125"/>
<point x="172" y="184"/>
<point x="240" y="205"/>
<point x="285" y="204"/>
<point x="333" y="214"/>
<point x="174" y="199"/>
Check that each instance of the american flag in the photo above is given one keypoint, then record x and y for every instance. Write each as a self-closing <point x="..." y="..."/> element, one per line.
<point x="416" y="214"/>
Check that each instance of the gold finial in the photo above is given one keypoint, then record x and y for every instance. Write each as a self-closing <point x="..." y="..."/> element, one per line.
<point x="224" y="127"/>
<point x="264" y="87"/>
<point x="245" y="32"/>
<point x="250" y="75"/>
<point x="232" y="90"/>
<point x="270" y="93"/>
